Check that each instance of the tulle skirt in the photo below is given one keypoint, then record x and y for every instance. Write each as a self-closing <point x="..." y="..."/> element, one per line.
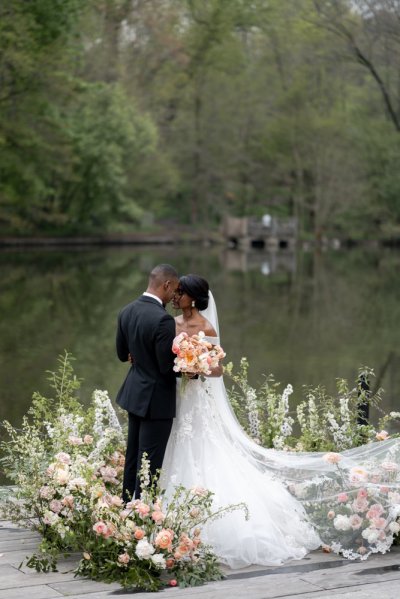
<point x="203" y="451"/>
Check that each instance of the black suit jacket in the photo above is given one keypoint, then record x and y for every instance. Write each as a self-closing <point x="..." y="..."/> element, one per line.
<point x="146" y="331"/>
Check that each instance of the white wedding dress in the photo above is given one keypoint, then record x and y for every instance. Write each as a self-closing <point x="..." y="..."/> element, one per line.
<point x="296" y="501"/>
<point x="208" y="448"/>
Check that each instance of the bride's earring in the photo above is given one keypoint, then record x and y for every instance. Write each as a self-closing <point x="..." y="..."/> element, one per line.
<point x="193" y="303"/>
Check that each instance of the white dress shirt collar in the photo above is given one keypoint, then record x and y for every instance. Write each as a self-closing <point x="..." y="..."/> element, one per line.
<point x="147" y="294"/>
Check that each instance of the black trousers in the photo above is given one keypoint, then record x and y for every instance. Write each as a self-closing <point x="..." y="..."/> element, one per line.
<point x="144" y="436"/>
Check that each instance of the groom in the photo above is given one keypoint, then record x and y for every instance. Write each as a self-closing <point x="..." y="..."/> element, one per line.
<point x="146" y="331"/>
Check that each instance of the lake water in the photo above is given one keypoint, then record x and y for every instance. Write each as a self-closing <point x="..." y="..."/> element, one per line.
<point x="307" y="318"/>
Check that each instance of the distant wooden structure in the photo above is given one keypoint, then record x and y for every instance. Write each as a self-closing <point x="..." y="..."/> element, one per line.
<point x="268" y="232"/>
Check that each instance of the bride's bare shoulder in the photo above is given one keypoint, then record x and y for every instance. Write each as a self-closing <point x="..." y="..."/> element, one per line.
<point x="209" y="330"/>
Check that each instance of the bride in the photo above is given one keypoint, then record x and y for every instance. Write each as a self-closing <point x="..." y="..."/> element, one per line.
<point x="208" y="448"/>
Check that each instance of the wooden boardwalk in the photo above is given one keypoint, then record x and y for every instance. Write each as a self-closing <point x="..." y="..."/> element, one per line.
<point x="317" y="575"/>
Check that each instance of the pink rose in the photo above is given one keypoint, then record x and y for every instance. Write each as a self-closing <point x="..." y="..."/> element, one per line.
<point x="384" y="489"/>
<point x="142" y="509"/>
<point x="158" y="517"/>
<point x="360" y="505"/>
<point x="101" y="529"/>
<point x="342" y="497"/>
<point x="332" y="457"/>
<point x="378" y="522"/>
<point x="382" y="435"/>
<point x="124" y="558"/>
<point x="375" y="511"/>
<point x="56" y="506"/>
<point x="355" y="521"/>
<point x="362" y="494"/>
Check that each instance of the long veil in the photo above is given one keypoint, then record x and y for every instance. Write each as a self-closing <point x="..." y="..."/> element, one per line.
<point x="352" y="499"/>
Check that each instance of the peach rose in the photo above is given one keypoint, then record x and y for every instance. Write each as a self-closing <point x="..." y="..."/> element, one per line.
<point x="164" y="538"/>
<point x="139" y="534"/>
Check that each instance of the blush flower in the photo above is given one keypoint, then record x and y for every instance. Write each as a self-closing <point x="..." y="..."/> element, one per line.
<point x="355" y="521"/>
<point x="124" y="558"/>
<point x="390" y="466"/>
<point x="382" y="436"/>
<point x="158" y="516"/>
<point x="332" y="457"/>
<point x="63" y="457"/>
<point x="73" y="440"/>
<point x="56" y="506"/>
<point x="342" y="498"/>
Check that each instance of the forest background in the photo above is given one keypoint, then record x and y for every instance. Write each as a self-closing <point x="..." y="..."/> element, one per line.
<point x="116" y="115"/>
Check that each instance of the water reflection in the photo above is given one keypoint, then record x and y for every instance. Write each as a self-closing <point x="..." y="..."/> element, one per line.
<point x="308" y="318"/>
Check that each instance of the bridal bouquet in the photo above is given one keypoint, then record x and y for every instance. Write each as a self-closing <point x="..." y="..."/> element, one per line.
<point x="196" y="355"/>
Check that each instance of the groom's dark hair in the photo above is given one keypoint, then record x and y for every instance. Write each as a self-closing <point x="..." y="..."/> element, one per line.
<point x="197" y="288"/>
<point x="161" y="273"/>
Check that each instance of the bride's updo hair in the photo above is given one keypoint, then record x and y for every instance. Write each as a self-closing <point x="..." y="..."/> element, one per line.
<point x="197" y="288"/>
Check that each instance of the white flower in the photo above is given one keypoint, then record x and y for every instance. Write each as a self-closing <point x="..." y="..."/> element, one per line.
<point x="144" y="549"/>
<point x="61" y="475"/>
<point x="370" y="534"/>
<point x="394" y="414"/>
<point x="50" y="518"/>
<point x="394" y="527"/>
<point x="77" y="483"/>
<point x="158" y="560"/>
<point x="342" y="522"/>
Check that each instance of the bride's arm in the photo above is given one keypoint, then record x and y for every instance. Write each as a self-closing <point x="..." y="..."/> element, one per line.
<point x="210" y="332"/>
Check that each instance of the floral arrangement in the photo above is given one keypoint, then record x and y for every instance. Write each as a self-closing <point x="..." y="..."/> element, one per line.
<point x="195" y="355"/>
<point x="67" y="464"/>
<point x="322" y="422"/>
<point x="354" y="506"/>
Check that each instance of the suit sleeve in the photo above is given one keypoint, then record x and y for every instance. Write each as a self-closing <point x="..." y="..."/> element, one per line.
<point x="121" y="343"/>
<point x="164" y="338"/>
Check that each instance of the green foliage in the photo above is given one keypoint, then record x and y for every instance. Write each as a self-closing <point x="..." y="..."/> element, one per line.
<point x="211" y="107"/>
